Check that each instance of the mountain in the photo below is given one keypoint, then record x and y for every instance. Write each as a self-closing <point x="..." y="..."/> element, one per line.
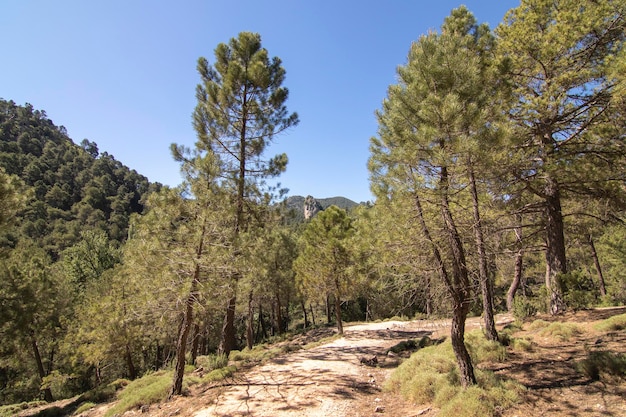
<point x="74" y="187"/>
<point x="296" y="205"/>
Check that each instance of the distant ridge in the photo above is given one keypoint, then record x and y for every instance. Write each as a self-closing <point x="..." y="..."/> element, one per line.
<point x="296" y="204"/>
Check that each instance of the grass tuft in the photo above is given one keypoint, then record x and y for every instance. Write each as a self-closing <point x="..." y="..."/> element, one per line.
<point x="483" y="350"/>
<point x="562" y="331"/>
<point x="612" y="324"/>
<point x="430" y="376"/>
<point x="151" y="388"/>
<point x="603" y="365"/>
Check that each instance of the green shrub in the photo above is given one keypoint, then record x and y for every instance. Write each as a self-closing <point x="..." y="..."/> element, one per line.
<point x="603" y="365"/>
<point x="211" y="362"/>
<point x="538" y="324"/>
<point x="84" y="407"/>
<point x="562" y="331"/>
<point x="149" y="389"/>
<point x="578" y="289"/>
<point x="521" y="344"/>
<point x="612" y="324"/>
<point x="430" y="375"/>
<point x="483" y="350"/>
<point x="523" y="308"/>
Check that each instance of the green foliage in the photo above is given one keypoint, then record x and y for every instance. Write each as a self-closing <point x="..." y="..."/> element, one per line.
<point x="73" y="189"/>
<point x="14" y="409"/>
<point x="149" y="389"/>
<point x="578" y="290"/>
<point x="612" y="324"/>
<point x="211" y="362"/>
<point x="603" y="365"/>
<point x="483" y="350"/>
<point x="562" y="331"/>
<point x="524" y="308"/>
<point x="430" y="376"/>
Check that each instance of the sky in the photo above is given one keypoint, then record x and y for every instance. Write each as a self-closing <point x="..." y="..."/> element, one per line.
<point x="122" y="73"/>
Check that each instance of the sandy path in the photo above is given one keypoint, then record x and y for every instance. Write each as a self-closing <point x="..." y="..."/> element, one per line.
<point x="328" y="380"/>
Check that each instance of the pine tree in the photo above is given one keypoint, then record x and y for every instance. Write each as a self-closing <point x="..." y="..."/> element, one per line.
<point x="240" y="110"/>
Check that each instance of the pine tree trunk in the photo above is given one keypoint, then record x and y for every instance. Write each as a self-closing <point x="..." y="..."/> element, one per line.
<point x="461" y="289"/>
<point x="181" y="346"/>
<point x="195" y="343"/>
<point x="460" y="306"/>
<point x="485" y="284"/>
<point x="596" y="262"/>
<point x="306" y="317"/>
<point x="132" y="372"/>
<point x="338" y="307"/>
<point x="555" y="246"/>
<point x="519" y="263"/>
<point x="227" y="340"/>
<point x="47" y="393"/>
<point x="250" y="323"/>
<point x="328" y="312"/>
<point x="279" y="315"/>
<point x="457" y="337"/>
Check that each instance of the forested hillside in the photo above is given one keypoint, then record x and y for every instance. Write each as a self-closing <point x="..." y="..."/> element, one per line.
<point x="66" y="211"/>
<point x="499" y="171"/>
<point x="74" y="188"/>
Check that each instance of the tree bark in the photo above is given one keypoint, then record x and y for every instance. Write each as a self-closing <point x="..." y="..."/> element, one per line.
<point x="280" y="325"/>
<point x="459" y="302"/>
<point x="596" y="262"/>
<point x="306" y="317"/>
<point x="556" y="261"/>
<point x="461" y="289"/>
<point x="338" y="306"/>
<point x="519" y="270"/>
<point x="132" y="372"/>
<point x="181" y="345"/>
<point x="483" y="273"/>
<point x="227" y="340"/>
<point x="47" y="393"/>
<point x="250" y="323"/>
<point x="196" y="343"/>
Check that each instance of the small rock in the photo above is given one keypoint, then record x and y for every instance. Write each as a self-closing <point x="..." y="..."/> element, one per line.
<point x="377" y="400"/>
<point x="379" y="409"/>
<point x="145" y="408"/>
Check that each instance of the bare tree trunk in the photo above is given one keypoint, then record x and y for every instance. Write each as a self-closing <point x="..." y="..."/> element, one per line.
<point x="181" y="345"/>
<point x="460" y="306"/>
<point x="47" y="393"/>
<point x="132" y="372"/>
<point x="278" y="315"/>
<point x="555" y="246"/>
<point x="306" y="317"/>
<point x="227" y="340"/>
<point x="250" y="323"/>
<point x="312" y="314"/>
<point x="519" y="263"/>
<point x="596" y="262"/>
<point x="195" y="343"/>
<point x="485" y="284"/>
<point x="328" y="312"/>
<point x="338" y="306"/>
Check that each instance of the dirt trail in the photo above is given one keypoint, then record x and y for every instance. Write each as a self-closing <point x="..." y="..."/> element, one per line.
<point x="328" y="380"/>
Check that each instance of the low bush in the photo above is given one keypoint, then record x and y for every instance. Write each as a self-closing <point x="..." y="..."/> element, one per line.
<point x="483" y="350"/>
<point x="211" y="362"/>
<point x="431" y="376"/>
<point x="562" y="331"/>
<point x="603" y="365"/>
<point x="149" y="389"/>
<point x="612" y="324"/>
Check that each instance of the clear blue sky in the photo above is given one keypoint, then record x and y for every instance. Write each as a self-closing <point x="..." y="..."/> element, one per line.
<point x="122" y="73"/>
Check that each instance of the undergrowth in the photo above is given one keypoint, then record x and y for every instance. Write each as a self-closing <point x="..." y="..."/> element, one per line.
<point x="559" y="330"/>
<point x="612" y="324"/>
<point x="431" y="376"/>
<point x="603" y="365"/>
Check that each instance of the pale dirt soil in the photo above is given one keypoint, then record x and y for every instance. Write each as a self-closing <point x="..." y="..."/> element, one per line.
<point x="329" y="380"/>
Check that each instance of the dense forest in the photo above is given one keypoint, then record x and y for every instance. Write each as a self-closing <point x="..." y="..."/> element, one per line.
<point x="500" y="183"/>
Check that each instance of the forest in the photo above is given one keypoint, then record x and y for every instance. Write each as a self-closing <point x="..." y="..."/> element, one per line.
<point x="500" y="183"/>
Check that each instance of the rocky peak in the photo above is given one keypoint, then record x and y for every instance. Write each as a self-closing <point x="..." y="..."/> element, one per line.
<point x="311" y="207"/>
